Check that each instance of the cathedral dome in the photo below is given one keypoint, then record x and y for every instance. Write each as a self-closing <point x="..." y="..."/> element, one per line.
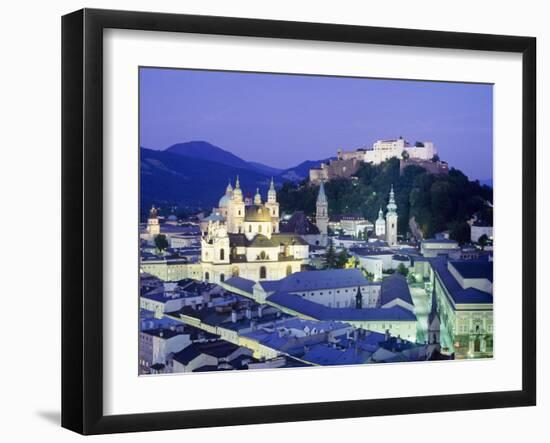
<point x="224" y="202"/>
<point x="257" y="213"/>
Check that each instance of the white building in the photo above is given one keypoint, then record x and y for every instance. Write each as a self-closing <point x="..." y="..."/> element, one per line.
<point x="383" y="150"/>
<point x="433" y="247"/>
<point x="355" y="225"/>
<point x="380" y="225"/>
<point x="156" y="344"/>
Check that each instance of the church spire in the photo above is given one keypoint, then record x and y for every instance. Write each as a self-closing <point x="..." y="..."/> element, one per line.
<point x="237" y="192"/>
<point x="321" y="216"/>
<point x="392" y="207"/>
<point x="359" y="298"/>
<point x="272" y="193"/>
<point x="322" y="197"/>
<point x="257" y="197"/>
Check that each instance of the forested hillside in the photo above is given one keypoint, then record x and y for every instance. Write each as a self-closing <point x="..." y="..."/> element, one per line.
<point x="435" y="202"/>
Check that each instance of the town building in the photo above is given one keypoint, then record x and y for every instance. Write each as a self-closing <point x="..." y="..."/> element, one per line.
<point x="210" y="356"/>
<point x="356" y="225"/>
<point x="173" y="296"/>
<point x="301" y="225"/>
<point x="177" y="234"/>
<point x="155" y="345"/>
<point x="171" y="268"/>
<point x="433" y="247"/>
<point x="463" y="292"/>
<point x="343" y="295"/>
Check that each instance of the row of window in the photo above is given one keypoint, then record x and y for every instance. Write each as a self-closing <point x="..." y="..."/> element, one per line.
<point x="235" y="273"/>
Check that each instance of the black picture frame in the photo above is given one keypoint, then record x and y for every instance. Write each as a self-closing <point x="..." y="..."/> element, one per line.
<point x="82" y="215"/>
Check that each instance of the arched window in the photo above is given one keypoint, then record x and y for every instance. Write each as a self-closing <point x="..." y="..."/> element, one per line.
<point x="260" y="229"/>
<point x="207" y="276"/>
<point x="222" y="254"/>
<point x="288" y="270"/>
<point x="235" y="271"/>
<point x="249" y="228"/>
<point x="263" y="272"/>
<point x="222" y="277"/>
<point x="263" y="255"/>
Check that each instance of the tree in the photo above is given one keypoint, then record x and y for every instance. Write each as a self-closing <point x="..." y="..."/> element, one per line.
<point x="342" y="259"/>
<point x="482" y="241"/>
<point x="459" y="231"/>
<point x="330" y="257"/>
<point x="435" y="158"/>
<point x="405" y="155"/>
<point x="368" y="275"/>
<point x="402" y="269"/>
<point x="161" y="242"/>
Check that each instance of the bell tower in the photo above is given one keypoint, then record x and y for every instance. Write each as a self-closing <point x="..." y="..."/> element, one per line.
<point x="391" y="220"/>
<point x="153" y="226"/>
<point x="321" y="216"/>
<point x="273" y="206"/>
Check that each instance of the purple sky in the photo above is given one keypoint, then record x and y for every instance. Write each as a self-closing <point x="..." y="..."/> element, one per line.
<point x="281" y="120"/>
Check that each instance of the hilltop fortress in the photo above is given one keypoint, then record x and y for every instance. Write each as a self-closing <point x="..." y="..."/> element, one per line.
<point x="347" y="163"/>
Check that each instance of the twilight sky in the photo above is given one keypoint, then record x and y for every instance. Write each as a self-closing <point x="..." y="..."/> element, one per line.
<point x="282" y="120"/>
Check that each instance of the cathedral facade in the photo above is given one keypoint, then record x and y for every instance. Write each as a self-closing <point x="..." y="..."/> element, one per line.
<point x="242" y="239"/>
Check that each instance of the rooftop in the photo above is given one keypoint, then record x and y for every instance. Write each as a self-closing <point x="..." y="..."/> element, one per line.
<point x="165" y="333"/>
<point x="474" y="269"/>
<point x="298" y="224"/>
<point x="320" y="312"/>
<point x="257" y="213"/>
<point x="325" y="279"/>
<point x="217" y="349"/>
<point x="440" y="241"/>
<point x="395" y="286"/>
<point x="240" y="283"/>
<point x="457" y="293"/>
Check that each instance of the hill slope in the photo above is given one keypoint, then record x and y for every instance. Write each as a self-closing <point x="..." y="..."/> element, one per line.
<point x="436" y="202"/>
<point x="169" y="179"/>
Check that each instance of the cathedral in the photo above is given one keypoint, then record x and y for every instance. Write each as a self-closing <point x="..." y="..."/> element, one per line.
<point x="242" y="238"/>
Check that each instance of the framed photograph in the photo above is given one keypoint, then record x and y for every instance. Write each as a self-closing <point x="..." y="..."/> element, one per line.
<point x="268" y="221"/>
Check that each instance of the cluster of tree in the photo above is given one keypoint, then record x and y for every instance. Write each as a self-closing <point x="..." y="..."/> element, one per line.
<point x="335" y="260"/>
<point x="437" y="202"/>
<point x="161" y="242"/>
